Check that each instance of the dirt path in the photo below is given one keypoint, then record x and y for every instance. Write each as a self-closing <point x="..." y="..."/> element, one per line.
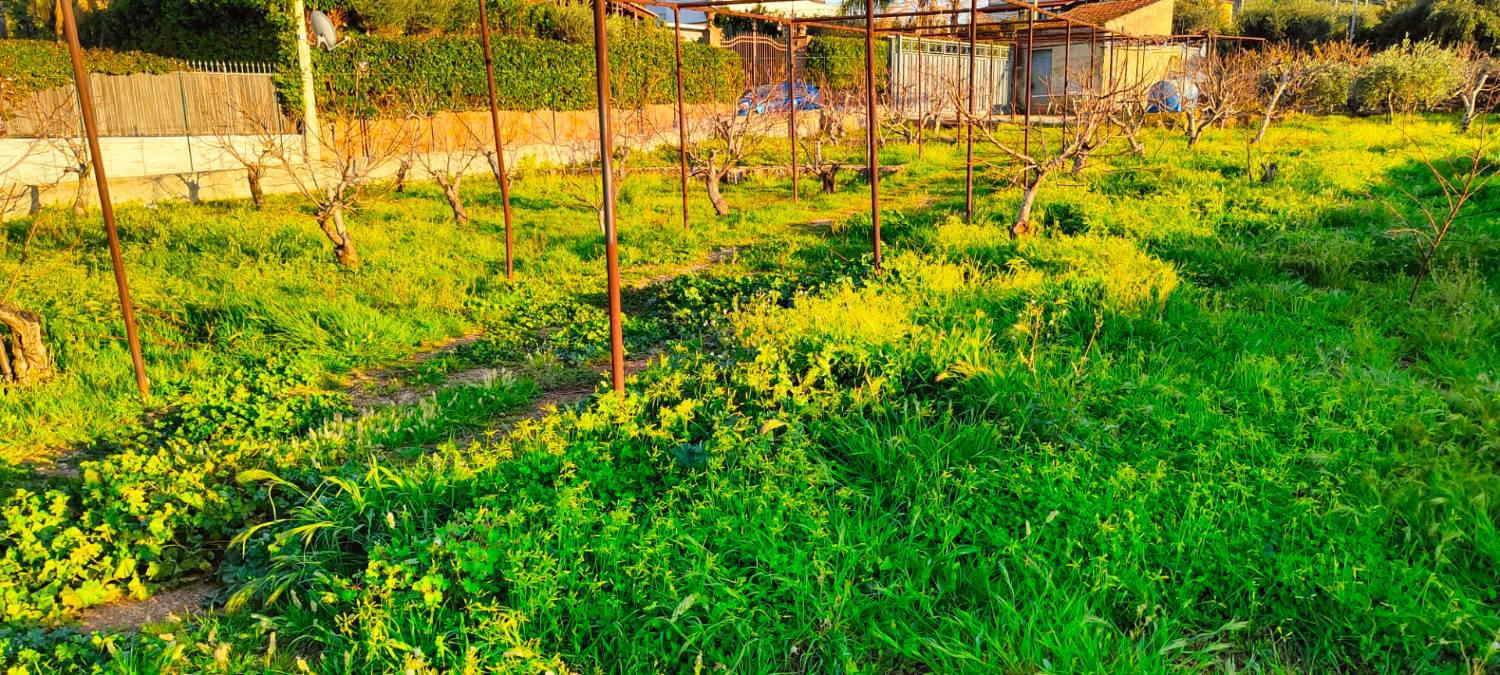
<point x="385" y="387"/>
<point x="134" y="614"/>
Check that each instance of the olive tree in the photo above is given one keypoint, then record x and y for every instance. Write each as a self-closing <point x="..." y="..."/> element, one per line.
<point x="1406" y="78"/>
<point x="1479" y="76"/>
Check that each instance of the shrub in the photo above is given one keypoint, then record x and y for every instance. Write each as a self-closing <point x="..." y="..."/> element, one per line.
<point x="839" y="62"/>
<point x="1198" y="16"/>
<point x="1333" y="69"/>
<point x="529" y="74"/>
<point x="412" y="17"/>
<point x="1297" y="21"/>
<point x="217" y="30"/>
<point x="38" y="64"/>
<point x="1407" y="78"/>
<point x="1445" y="21"/>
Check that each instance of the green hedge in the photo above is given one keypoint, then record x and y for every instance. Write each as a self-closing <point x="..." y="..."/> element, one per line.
<point x="41" y="64"/>
<point x="206" y="30"/>
<point x="839" y="62"/>
<point x="529" y="74"/>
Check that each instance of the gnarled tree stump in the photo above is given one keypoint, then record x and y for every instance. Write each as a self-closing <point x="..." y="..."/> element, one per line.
<point x="23" y="353"/>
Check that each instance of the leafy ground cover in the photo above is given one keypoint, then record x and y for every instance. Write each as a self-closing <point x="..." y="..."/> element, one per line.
<point x="1195" y="424"/>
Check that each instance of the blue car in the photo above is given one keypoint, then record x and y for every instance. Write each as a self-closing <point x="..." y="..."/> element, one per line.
<point x="771" y="98"/>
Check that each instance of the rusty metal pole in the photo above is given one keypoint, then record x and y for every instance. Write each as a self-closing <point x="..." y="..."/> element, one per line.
<point x="1015" y="49"/>
<point x="106" y="206"/>
<point x="1030" y="54"/>
<point x="921" y="97"/>
<point x="1093" y="57"/>
<point x="681" y="115"/>
<point x="607" y="180"/>
<point x="1067" y="63"/>
<point x="872" y="128"/>
<point x="1140" y="63"/>
<point x="504" y="176"/>
<point x="791" y="99"/>
<point x="1109" y="46"/>
<point x="969" y="126"/>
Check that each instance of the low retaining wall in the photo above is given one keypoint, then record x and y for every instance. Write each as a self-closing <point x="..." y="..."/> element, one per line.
<point x="158" y="169"/>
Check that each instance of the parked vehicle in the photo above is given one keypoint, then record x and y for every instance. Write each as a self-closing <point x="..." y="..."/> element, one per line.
<point x="772" y="98"/>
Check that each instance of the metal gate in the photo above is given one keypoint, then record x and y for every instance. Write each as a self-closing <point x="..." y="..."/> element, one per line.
<point x="932" y="77"/>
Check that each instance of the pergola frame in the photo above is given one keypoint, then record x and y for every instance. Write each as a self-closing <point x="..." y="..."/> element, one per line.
<point x="1006" y="32"/>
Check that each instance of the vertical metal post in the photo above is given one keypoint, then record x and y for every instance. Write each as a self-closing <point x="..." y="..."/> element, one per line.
<point x="504" y="176"/>
<point x="969" y="125"/>
<point x="106" y="207"/>
<point x="1140" y="62"/>
<point x="1015" y="87"/>
<point x="791" y="99"/>
<point x="1067" y="63"/>
<point x="1030" y="55"/>
<point x="921" y="95"/>
<point x="681" y="115"/>
<point x="607" y="181"/>
<point x="872" y="129"/>
<point x="1110" y="53"/>
<point x="1093" y="57"/>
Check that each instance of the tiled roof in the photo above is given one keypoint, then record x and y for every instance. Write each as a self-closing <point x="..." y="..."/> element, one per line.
<point x="1099" y="13"/>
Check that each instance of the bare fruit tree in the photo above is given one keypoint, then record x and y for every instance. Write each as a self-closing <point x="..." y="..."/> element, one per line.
<point x="1459" y="180"/>
<point x="728" y="137"/>
<point x="632" y="129"/>
<point x="56" y="120"/>
<point x="1226" y="89"/>
<point x="450" y="155"/>
<point x="247" y="132"/>
<point x="1090" y="128"/>
<point x="444" y="146"/>
<point x="335" y="183"/>
<point x="1284" y="71"/>
<point x="1479" y="78"/>
<point x="24" y="358"/>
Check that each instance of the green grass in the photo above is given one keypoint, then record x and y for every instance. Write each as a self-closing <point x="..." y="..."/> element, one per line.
<point x="1194" y="425"/>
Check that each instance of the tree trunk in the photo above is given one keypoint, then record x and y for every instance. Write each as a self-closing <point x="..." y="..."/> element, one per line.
<point x="455" y="201"/>
<point x="1268" y="173"/>
<point x="80" y="193"/>
<point x="331" y="221"/>
<point x="1271" y="105"/>
<point x="257" y="195"/>
<point x="921" y="135"/>
<point x="401" y="173"/>
<point x="23" y="357"/>
<point x="1081" y="160"/>
<point x="1022" y="227"/>
<point x="494" y="161"/>
<point x="713" y="176"/>
<point x="830" y="177"/>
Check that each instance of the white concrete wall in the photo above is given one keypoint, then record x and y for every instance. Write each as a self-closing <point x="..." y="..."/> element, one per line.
<point x="158" y="169"/>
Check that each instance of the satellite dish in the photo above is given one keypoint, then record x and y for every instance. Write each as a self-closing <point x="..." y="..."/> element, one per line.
<point x="322" y="28"/>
